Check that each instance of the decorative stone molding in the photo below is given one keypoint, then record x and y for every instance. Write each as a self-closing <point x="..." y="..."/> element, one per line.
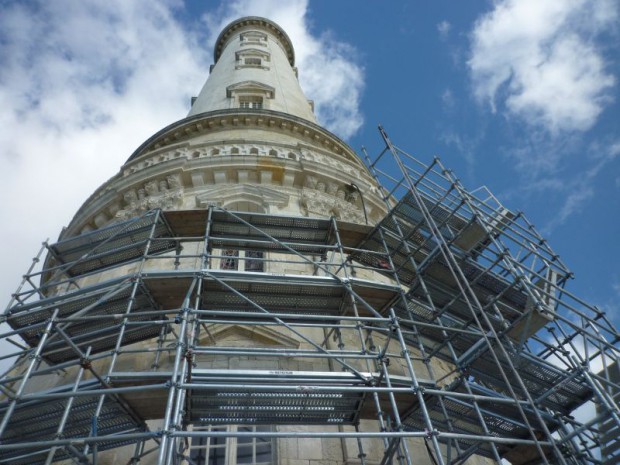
<point x="185" y="154"/>
<point x="211" y="162"/>
<point x="100" y="220"/>
<point x="305" y="131"/>
<point x="254" y="22"/>
<point x="253" y="38"/>
<point x="261" y="196"/>
<point x="261" y="334"/>
<point x="166" y="194"/>
<point x="317" y="203"/>
<point x="250" y="87"/>
<point x="332" y="188"/>
<point x="310" y="182"/>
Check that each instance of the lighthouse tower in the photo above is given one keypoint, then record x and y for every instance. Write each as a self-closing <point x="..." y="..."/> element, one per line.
<point x="247" y="291"/>
<point x="250" y="143"/>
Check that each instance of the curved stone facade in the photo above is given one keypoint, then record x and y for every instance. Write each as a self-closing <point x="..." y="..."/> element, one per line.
<point x="259" y="149"/>
<point x="251" y="125"/>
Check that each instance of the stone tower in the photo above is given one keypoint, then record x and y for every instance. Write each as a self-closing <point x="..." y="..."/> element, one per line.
<point x="249" y="143"/>
<point x="245" y="291"/>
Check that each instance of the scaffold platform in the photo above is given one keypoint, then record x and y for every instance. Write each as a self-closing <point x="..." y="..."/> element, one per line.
<point x="49" y="414"/>
<point x="449" y="320"/>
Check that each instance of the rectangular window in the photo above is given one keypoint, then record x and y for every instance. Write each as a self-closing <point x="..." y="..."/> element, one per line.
<point x="209" y="450"/>
<point x="253" y="450"/>
<point x="252" y="61"/>
<point x="248" y="260"/>
<point x="247" y="450"/>
<point x="254" y="261"/>
<point x="253" y="38"/>
<point x="229" y="260"/>
<point x="251" y="102"/>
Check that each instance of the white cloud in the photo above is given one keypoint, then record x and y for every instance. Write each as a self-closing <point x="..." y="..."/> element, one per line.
<point x="328" y="71"/>
<point x="541" y="61"/>
<point x="82" y="84"/>
<point x="447" y="100"/>
<point x="444" y="28"/>
<point x="582" y="188"/>
<point x="574" y="203"/>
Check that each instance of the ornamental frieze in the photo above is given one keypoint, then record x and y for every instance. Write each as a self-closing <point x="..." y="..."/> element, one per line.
<point x="166" y="194"/>
<point x="186" y="153"/>
<point x="317" y="202"/>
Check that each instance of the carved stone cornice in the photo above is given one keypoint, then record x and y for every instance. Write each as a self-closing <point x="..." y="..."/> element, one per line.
<point x="255" y="21"/>
<point x="165" y="194"/>
<point x="222" y="120"/>
<point x="318" y="203"/>
<point x="261" y="196"/>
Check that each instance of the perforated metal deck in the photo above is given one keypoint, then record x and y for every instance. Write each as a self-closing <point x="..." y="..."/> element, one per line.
<point x="305" y="295"/>
<point x="501" y="419"/>
<point x="101" y="308"/>
<point x="423" y="258"/>
<point x="120" y="243"/>
<point x="38" y="420"/>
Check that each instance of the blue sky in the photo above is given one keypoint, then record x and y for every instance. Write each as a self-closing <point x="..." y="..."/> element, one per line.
<point x="522" y="97"/>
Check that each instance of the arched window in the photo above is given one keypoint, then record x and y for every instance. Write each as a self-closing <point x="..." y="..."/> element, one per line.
<point x="273" y="153"/>
<point x="234" y="151"/>
<point x="253" y="151"/>
<point x="215" y="152"/>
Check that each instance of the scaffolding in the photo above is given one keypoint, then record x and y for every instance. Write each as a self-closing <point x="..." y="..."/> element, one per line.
<point x="448" y="321"/>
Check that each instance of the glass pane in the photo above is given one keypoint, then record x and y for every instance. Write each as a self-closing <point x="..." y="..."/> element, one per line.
<point x="263" y="454"/>
<point x="246" y="439"/>
<point x="254" y="265"/>
<point x="244" y="454"/>
<point x="199" y="441"/>
<point x="217" y="456"/>
<point x="229" y="260"/>
<point x="198" y="455"/>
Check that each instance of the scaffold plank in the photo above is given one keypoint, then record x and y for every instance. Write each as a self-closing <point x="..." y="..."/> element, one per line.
<point x="268" y="396"/>
<point x="539" y="376"/>
<point x="309" y="295"/>
<point x="565" y="391"/>
<point x="110" y="246"/>
<point x="38" y="420"/>
<point x="501" y="420"/>
<point x="91" y="317"/>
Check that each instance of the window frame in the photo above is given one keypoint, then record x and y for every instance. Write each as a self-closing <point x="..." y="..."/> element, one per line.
<point x="242" y="260"/>
<point x="199" y="449"/>
<point x="253" y="38"/>
<point x="261" y="59"/>
<point x="251" y="102"/>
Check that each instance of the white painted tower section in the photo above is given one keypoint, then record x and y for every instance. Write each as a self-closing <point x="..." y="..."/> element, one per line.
<point x="249" y="143"/>
<point x="254" y="63"/>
